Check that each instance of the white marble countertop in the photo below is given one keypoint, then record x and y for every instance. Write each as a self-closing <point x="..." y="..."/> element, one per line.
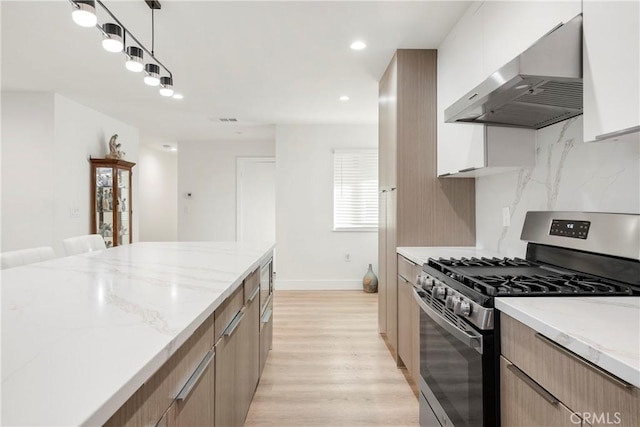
<point x="81" y="334"/>
<point x="603" y="330"/>
<point x="420" y="254"/>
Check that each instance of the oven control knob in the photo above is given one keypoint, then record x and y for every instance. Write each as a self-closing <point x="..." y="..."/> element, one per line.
<point x="462" y="308"/>
<point x="427" y="283"/>
<point x="451" y="301"/>
<point x="439" y="292"/>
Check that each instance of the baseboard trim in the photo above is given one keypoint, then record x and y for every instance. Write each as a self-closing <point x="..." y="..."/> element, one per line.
<point x="317" y="285"/>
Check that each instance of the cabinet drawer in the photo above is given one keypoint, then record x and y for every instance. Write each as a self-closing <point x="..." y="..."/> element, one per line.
<point x="227" y="311"/>
<point x="523" y="403"/>
<point x="251" y="285"/>
<point x="581" y="386"/>
<point x="408" y="270"/>
<point x="151" y="400"/>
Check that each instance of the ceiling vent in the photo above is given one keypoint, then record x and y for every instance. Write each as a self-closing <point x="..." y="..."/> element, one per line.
<point x="228" y="120"/>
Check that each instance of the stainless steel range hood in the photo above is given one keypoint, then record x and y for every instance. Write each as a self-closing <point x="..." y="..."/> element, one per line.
<point x="540" y="87"/>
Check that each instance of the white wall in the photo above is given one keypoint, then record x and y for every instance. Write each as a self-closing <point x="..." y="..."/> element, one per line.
<point x="569" y="175"/>
<point x="28" y="168"/>
<point x="158" y="202"/>
<point x="207" y="170"/>
<point x="46" y="143"/>
<point x="310" y="254"/>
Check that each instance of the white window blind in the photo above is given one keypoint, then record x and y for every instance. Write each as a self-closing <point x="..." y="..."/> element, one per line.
<point x="355" y="190"/>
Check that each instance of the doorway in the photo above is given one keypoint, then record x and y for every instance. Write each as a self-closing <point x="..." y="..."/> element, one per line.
<point x="256" y="199"/>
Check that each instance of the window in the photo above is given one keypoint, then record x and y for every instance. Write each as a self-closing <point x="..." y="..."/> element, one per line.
<point x="355" y="190"/>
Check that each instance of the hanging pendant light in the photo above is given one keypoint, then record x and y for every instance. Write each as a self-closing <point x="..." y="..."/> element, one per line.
<point x="166" y="86"/>
<point x="134" y="59"/>
<point x="112" y="41"/>
<point x="84" y="13"/>
<point x="153" y="74"/>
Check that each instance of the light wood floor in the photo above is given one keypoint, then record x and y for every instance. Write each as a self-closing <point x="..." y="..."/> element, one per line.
<point x="329" y="366"/>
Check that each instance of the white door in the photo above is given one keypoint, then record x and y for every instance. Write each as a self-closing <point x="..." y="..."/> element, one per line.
<point x="256" y="199"/>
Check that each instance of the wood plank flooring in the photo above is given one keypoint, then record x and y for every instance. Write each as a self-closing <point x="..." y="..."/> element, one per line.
<point x="329" y="366"/>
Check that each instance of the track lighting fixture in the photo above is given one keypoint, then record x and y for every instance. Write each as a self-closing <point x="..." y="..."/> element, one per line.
<point x="166" y="86"/>
<point x="112" y="41"/>
<point x="115" y="39"/>
<point x="134" y="59"/>
<point x="153" y="74"/>
<point x="84" y="13"/>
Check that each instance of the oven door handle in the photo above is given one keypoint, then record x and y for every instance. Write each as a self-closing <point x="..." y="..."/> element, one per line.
<point x="468" y="338"/>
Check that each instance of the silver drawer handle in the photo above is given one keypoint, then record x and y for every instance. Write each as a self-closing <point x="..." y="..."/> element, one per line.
<point x="253" y="295"/>
<point x="234" y="324"/>
<point x="577" y="358"/>
<point x="534" y="385"/>
<point x="267" y="316"/>
<point x="193" y="380"/>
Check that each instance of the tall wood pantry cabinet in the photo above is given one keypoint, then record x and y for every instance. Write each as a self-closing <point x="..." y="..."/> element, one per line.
<point x="111" y="201"/>
<point x="416" y="208"/>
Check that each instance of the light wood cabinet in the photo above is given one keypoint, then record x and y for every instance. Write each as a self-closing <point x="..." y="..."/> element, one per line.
<point x="611" y="64"/>
<point x="248" y="356"/>
<point x="408" y="318"/>
<point x="238" y="356"/>
<point x="111" y="200"/>
<point x="525" y="403"/>
<point x="489" y="35"/>
<point x="266" y="334"/>
<point x="196" y="408"/>
<point x="597" y="396"/>
<point x="416" y="208"/>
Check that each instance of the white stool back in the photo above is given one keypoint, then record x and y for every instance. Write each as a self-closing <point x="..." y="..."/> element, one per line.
<point x="82" y="244"/>
<point x="26" y="256"/>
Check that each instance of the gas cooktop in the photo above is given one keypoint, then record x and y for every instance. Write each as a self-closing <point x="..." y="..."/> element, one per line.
<point x="495" y="277"/>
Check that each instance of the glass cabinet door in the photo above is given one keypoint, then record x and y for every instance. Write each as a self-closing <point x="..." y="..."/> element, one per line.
<point x="104" y="204"/>
<point x="111" y="210"/>
<point x="124" y="235"/>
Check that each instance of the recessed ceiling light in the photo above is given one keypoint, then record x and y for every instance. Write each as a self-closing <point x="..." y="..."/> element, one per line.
<point x="358" y="45"/>
<point x="177" y="96"/>
<point x="344" y="98"/>
<point x="174" y="149"/>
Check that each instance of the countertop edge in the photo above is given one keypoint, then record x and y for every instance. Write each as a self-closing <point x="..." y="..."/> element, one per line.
<point x="576" y="345"/>
<point x="106" y="411"/>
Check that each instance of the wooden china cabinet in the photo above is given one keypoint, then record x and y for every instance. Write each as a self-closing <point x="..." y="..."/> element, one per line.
<point x="111" y="200"/>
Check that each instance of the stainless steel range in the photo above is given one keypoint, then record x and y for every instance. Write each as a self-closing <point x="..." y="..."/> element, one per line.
<point x="568" y="254"/>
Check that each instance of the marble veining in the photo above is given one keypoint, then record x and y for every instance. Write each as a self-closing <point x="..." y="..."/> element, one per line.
<point x="80" y="334"/>
<point x="569" y="175"/>
<point x="603" y="330"/>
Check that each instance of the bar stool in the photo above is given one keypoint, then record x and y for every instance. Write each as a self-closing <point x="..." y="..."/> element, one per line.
<point x="81" y="244"/>
<point x="25" y="256"/>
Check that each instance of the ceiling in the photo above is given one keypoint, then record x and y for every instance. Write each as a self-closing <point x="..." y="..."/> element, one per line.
<point x="263" y="62"/>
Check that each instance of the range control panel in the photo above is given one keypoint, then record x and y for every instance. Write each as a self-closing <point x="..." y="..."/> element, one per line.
<point x="567" y="228"/>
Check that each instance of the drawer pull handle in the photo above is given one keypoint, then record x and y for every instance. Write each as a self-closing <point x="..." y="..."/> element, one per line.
<point x="534" y="385"/>
<point x="253" y="295"/>
<point x="193" y="380"/>
<point x="577" y="358"/>
<point x="267" y="316"/>
<point x="234" y="324"/>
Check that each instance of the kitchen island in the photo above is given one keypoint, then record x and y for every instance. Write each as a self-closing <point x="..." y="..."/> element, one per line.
<point x="81" y="334"/>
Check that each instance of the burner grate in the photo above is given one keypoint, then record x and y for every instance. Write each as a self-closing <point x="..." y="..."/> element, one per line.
<point x="493" y="277"/>
<point x="548" y="284"/>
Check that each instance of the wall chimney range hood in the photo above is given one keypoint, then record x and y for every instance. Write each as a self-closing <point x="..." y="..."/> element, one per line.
<point x="540" y="87"/>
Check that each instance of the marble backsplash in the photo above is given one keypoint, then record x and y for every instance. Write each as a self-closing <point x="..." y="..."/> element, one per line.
<point x="569" y="175"/>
